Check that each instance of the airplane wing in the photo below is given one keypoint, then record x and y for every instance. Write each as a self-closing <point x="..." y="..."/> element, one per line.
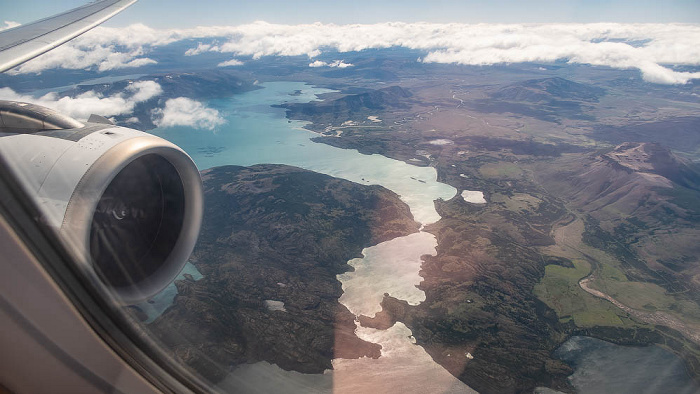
<point x="25" y="42"/>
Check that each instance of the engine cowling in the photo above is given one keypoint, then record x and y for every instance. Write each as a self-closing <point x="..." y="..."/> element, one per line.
<point x="127" y="204"/>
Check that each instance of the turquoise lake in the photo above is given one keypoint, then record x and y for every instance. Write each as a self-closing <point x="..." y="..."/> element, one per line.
<point x="257" y="133"/>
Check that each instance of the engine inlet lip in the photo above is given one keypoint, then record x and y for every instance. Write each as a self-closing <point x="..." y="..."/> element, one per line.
<point x="76" y="225"/>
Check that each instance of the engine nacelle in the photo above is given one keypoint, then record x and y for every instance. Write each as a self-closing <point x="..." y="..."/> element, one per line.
<point x="127" y="204"/>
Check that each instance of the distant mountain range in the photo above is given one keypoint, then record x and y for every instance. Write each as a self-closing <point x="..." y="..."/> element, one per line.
<point x="548" y="90"/>
<point x="548" y="99"/>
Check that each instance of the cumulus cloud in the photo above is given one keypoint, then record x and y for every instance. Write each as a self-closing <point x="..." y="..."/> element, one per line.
<point x="232" y="62"/>
<point x="183" y="111"/>
<point x="85" y="104"/>
<point x="650" y="48"/>
<point x="318" y="63"/>
<point x="201" y="48"/>
<point x="336" y="63"/>
<point x="340" y="64"/>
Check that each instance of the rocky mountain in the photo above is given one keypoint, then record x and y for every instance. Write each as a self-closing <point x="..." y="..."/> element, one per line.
<point x="548" y="99"/>
<point x="655" y="159"/>
<point x="680" y="133"/>
<point x="273" y="240"/>
<point x="640" y="195"/>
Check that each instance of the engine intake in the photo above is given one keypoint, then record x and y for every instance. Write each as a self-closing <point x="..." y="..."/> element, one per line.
<point x="126" y="203"/>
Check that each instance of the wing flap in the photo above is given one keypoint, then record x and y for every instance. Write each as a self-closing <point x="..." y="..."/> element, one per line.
<point x="25" y="42"/>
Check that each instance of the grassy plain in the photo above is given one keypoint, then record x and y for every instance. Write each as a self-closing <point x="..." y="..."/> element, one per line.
<point x="560" y="290"/>
<point x="500" y="170"/>
<point x="645" y="296"/>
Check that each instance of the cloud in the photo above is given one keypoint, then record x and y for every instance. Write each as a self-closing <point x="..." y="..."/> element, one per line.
<point x="201" y="48"/>
<point x="335" y="63"/>
<point x="85" y="104"/>
<point x="9" y="25"/>
<point x="144" y="90"/>
<point x="650" y="48"/>
<point x="340" y="64"/>
<point x="183" y="111"/>
<point x="232" y="62"/>
<point x="103" y="49"/>
<point x="318" y="63"/>
<point x="74" y="57"/>
<point x="655" y="73"/>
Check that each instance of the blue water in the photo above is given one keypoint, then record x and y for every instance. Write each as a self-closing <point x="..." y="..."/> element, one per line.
<point x="161" y="301"/>
<point x="257" y="133"/>
<point x="602" y="367"/>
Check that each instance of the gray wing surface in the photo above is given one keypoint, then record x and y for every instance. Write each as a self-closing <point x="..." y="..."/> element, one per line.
<point x="25" y="42"/>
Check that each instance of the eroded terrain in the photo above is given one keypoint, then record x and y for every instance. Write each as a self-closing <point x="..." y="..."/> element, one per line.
<point x="587" y="225"/>
<point x="580" y="182"/>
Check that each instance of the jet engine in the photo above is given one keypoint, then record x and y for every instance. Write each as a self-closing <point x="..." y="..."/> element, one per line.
<point x="127" y="204"/>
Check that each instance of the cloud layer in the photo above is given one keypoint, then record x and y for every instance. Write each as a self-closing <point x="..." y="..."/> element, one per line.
<point x="650" y="48"/>
<point x="85" y="104"/>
